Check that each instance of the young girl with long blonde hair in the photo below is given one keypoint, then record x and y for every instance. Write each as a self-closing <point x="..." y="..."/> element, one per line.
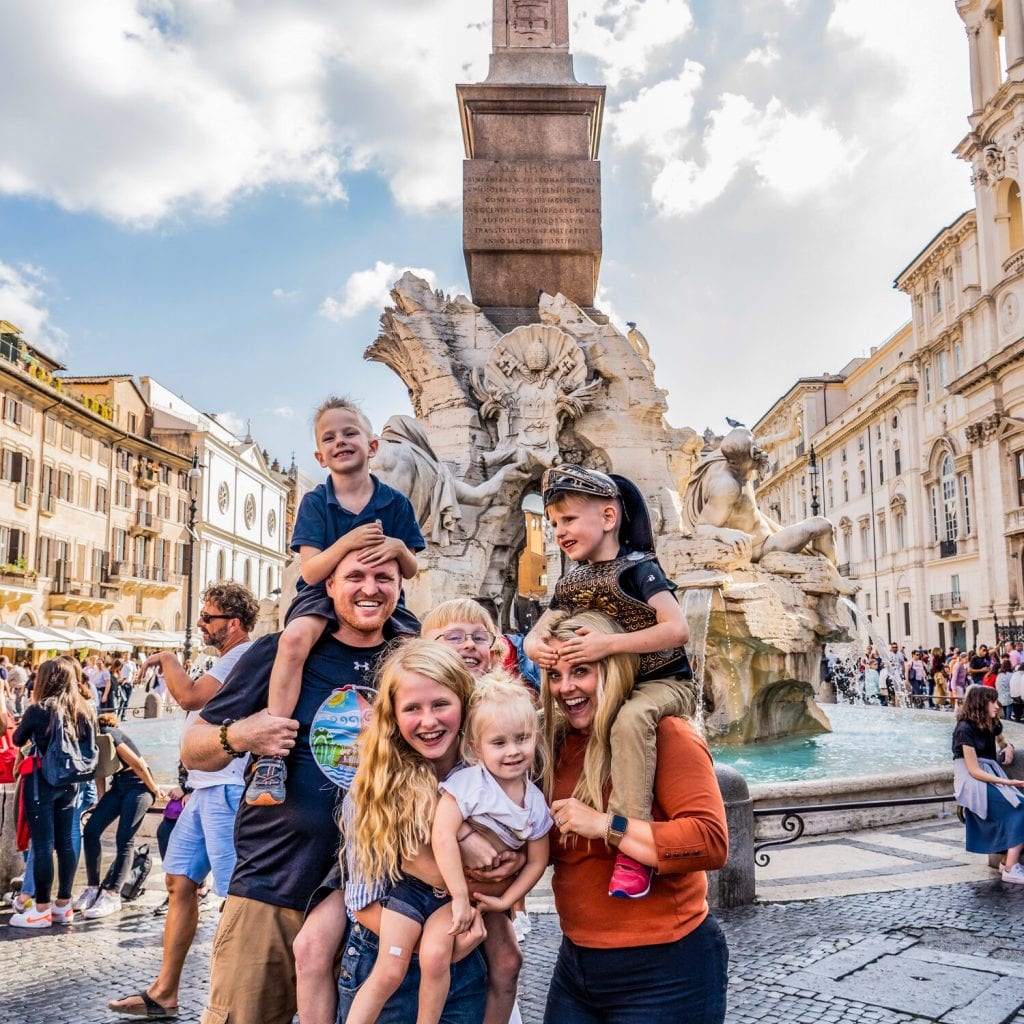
<point x="390" y="840"/>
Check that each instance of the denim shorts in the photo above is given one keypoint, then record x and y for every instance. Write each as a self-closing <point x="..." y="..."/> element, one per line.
<point x="204" y="837"/>
<point x="467" y="996"/>
<point x="414" y="899"/>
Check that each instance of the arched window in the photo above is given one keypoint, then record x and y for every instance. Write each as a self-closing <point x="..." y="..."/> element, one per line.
<point x="958" y="359"/>
<point x="897" y="460"/>
<point x="936" y="299"/>
<point x="846" y="488"/>
<point x="270" y="579"/>
<point x="1016" y="223"/>
<point x="221" y="574"/>
<point x="831" y="496"/>
<point x="948" y="498"/>
<point x="247" y="573"/>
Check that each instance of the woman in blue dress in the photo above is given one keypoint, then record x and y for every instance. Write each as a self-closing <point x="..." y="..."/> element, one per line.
<point x="992" y="803"/>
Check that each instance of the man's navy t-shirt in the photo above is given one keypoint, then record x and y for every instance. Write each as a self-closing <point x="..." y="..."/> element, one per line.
<point x="284" y="852"/>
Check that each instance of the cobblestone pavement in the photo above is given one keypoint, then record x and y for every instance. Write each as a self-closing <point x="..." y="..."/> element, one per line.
<point x="950" y="953"/>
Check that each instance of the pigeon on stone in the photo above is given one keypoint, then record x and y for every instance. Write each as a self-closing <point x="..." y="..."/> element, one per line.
<point x="734" y="423"/>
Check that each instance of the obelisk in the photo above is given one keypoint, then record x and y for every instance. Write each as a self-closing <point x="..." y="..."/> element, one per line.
<point x="531" y="178"/>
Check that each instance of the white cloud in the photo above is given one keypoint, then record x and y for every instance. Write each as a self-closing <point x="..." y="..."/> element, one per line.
<point x="284" y="412"/>
<point x="367" y="289"/>
<point x="284" y="296"/>
<point x="763" y="55"/>
<point x="794" y="155"/>
<point x="23" y="303"/>
<point x="183" y="105"/>
<point x="233" y="422"/>
<point x="624" y="35"/>
<point x="657" y="120"/>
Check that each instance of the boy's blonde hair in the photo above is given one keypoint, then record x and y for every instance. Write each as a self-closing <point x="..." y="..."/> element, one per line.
<point x="395" y="789"/>
<point x="498" y="696"/>
<point x="346" y="404"/>
<point x="564" y="497"/>
<point x="458" y="609"/>
<point x="616" y="675"/>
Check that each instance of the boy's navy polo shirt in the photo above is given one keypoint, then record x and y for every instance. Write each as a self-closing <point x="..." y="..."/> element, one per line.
<point x="322" y="519"/>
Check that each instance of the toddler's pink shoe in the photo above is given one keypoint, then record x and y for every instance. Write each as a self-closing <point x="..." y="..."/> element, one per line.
<point x="631" y="880"/>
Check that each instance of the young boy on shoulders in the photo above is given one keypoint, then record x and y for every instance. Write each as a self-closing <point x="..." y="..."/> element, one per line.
<point x="601" y="522"/>
<point x="351" y="510"/>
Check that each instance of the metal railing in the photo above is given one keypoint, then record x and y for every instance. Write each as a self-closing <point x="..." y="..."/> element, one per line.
<point x="947" y="548"/>
<point x="947" y="602"/>
<point x="793" y="821"/>
<point x="843" y="568"/>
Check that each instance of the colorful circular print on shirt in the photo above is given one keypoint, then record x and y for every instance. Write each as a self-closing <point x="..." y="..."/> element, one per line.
<point x="334" y="734"/>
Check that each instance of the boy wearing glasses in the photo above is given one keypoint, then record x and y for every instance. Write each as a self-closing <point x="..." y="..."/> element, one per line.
<point x="601" y="522"/>
<point x="350" y="511"/>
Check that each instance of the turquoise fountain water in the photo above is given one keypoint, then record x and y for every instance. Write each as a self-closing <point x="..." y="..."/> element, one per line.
<point x="865" y="741"/>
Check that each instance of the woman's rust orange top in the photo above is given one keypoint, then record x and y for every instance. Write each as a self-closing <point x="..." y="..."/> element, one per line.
<point x="690" y="835"/>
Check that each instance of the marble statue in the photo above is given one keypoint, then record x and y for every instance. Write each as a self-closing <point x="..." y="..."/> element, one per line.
<point x="720" y="504"/>
<point x="406" y="461"/>
<point x="534" y="382"/>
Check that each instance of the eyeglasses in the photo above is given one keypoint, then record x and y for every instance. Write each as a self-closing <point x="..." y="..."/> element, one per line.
<point x="577" y="480"/>
<point x="457" y="637"/>
<point x="207" y="617"/>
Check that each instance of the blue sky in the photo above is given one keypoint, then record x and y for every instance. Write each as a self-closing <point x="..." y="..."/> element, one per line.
<point x="218" y="194"/>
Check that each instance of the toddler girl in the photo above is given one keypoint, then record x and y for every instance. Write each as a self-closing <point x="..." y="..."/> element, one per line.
<point x="493" y="795"/>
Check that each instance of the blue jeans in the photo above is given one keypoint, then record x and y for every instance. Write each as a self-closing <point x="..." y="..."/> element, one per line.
<point x="126" y="802"/>
<point x="50" y="811"/>
<point x="680" y="982"/>
<point x="86" y="798"/>
<point x="466" y="998"/>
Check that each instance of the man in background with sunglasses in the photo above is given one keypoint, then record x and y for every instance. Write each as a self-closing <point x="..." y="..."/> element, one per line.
<point x="203" y="837"/>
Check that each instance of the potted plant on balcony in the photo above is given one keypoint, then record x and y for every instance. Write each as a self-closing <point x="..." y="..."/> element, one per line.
<point x="19" y="567"/>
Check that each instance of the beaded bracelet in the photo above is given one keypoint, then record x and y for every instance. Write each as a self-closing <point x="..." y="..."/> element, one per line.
<point x="228" y="749"/>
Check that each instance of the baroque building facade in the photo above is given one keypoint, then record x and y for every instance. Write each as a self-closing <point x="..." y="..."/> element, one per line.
<point x="92" y="532"/>
<point x="95" y="499"/>
<point x="919" y="448"/>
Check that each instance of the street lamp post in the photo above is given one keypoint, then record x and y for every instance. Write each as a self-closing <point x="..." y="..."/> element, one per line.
<point x="193" y="494"/>
<point x="815" y="506"/>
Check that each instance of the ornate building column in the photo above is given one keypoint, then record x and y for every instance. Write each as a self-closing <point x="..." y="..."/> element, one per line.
<point x="1013" y="26"/>
<point x="977" y="78"/>
<point x="990" y="69"/>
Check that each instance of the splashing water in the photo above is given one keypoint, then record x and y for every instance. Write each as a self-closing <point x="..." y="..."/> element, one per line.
<point x="867" y="634"/>
<point x="697" y="609"/>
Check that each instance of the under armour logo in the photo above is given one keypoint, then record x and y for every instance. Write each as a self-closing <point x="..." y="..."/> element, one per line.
<point x="361" y="666"/>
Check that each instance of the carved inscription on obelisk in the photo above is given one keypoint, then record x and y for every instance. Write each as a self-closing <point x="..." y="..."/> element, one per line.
<point x="532" y="206"/>
<point x="531" y="23"/>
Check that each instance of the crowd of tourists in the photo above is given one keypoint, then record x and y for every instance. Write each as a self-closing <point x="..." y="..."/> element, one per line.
<point x="931" y="678"/>
<point x="374" y="797"/>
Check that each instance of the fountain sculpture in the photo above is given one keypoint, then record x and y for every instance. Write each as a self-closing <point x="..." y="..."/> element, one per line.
<point x="528" y="374"/>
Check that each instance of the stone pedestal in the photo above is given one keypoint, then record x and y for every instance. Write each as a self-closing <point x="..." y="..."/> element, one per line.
<point x="532" y="181"/>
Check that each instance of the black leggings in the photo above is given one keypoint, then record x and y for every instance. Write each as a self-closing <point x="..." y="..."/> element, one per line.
<point x="126" y="802"/>
<point x="51" y="819"/>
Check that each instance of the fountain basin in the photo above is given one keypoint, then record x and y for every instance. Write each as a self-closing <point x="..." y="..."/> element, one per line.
<point x="874" y="753"/>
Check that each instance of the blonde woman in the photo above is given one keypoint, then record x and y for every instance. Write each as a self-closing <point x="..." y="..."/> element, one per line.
<point x="410" y="747"/>
<point x="662" y="957"/>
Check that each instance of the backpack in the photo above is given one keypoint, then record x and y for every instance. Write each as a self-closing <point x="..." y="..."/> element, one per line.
<point x="69" y="759"/>
<point x="135" y="884"/>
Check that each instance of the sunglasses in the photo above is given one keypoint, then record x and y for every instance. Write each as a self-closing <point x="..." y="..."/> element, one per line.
<point x="207" y="617"/>
<point x="577" y="480"/>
